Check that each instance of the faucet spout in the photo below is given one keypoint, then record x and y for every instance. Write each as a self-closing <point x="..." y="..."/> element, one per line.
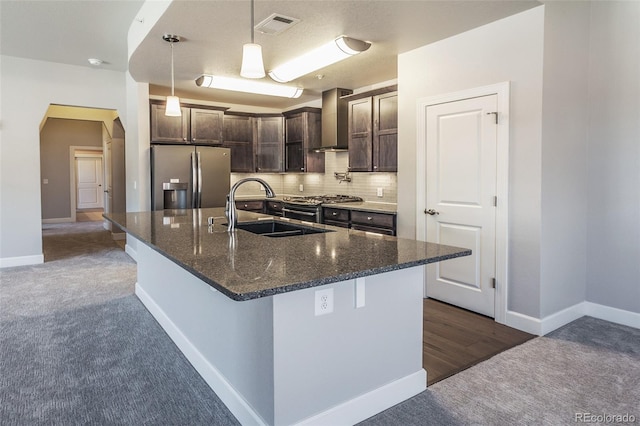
<point x="231" y="211"/>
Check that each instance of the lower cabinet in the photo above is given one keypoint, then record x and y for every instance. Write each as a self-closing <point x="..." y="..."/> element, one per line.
<point x="379" y="223"/>
<point x="274" y="208"/>
<point x="256" y="206"/>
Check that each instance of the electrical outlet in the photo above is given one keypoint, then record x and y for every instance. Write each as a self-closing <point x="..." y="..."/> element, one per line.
<point x="324" y="301"/>
<point x="301" y="187"/>
<point x="380" y="192"/>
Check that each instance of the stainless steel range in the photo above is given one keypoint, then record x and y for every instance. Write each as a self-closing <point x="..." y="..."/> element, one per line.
<point x="309" y="208"/>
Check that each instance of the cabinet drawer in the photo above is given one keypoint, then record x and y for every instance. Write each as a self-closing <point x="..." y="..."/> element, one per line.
<point x="253" y="205"/>
<point x="373" y="219"/>
<point x="339" y="215"/>
<point x="273" y="206"/>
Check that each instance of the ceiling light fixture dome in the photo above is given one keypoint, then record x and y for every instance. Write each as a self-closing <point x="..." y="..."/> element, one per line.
<point x="336" y="50"/>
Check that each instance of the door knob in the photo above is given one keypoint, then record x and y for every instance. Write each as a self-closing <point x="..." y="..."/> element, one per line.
<point x="431" y="212"/>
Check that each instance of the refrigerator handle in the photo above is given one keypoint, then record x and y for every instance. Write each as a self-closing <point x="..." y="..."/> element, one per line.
<point x="194" y="182"/>
<point x="199" y="180"/>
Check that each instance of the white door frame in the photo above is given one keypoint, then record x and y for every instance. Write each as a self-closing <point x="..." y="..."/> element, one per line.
<point x="72" y="173"/>
<point x="502" y="91"/>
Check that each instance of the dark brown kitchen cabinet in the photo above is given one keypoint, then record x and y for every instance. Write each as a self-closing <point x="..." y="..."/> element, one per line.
<point x="373" y="133"/>
<point x="274" y="208"/>
<point x="166" y="129"/>
<point x="269" y="143"/>
<point x="256" y="206"/>
<point x="198" y="125"/>
<point x="238" y="137"/>
<point x="335" y="217"/>
<point x="206" y="126"/>
<point x="302" y="135"/>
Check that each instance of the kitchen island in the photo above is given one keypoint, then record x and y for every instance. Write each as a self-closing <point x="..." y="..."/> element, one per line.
<point x="323" y="328"/>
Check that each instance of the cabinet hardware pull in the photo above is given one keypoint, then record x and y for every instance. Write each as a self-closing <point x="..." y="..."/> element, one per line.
<point x="369" y="218"/>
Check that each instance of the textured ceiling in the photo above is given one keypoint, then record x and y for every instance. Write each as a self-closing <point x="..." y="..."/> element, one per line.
<point x="214" y="31"/>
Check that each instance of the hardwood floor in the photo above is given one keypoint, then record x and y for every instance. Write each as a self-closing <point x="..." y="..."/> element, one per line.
<point x="455" y="339"/>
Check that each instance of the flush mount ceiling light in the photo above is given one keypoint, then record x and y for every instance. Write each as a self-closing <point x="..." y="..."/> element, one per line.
<point x="248" y="86"/>
<point x="95" y="61"/>
<point x="252" y="65"/>
<point x="173" y="102"/>
<point x="336" y="50"/>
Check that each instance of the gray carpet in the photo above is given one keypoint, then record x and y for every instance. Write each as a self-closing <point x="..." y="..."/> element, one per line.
<point x="77" y="347"/>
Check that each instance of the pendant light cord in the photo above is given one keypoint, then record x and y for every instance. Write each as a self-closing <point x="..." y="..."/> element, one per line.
<point x="252" y="18"/>
<point x="172" y="79"/>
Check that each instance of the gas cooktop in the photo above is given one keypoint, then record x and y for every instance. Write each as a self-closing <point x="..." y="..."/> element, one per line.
<point x="314" y="200"/>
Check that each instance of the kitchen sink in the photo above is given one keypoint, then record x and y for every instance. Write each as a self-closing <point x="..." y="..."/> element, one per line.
<point x="276" y="229"/>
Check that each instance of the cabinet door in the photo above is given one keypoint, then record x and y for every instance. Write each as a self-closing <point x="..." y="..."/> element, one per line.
<point x="270" y="144"/>
<point x="294" y="143"/>
<point x="385" y="132"/>
<point x="206" y="126"/>
<point x="360" y="137"/>
<point x="238" y="137"/>
<point x="314" y="161"/>
<point x="171" y="130"/>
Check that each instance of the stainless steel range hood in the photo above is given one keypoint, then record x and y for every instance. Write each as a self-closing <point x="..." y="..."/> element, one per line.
<point x="335" y="116"/>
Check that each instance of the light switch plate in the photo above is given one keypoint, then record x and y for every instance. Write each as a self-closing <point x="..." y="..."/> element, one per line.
<point x="380" y="192"/>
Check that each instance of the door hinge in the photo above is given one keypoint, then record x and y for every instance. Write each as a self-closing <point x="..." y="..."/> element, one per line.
<point x="494" y="113"/>
<point x="495" y="201"/>
<point x="493" y="283"/>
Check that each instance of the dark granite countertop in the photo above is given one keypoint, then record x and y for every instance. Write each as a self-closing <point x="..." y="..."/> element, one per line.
<point x="247" y="266"/>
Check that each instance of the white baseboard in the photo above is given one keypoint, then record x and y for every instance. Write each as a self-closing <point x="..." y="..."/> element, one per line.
<point x="607" y="313"/>
<point x="216" y="381"/>
<point x="561" y="318"/>
<point x="131" y="252"/>
<point x="58" y="220"/>
<point x="382" y="398"/>
<point x="8" y="262"/>
<point x="118" y="236"/>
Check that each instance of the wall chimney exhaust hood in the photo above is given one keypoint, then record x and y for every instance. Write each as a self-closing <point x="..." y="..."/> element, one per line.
<point x="335" y="120"/>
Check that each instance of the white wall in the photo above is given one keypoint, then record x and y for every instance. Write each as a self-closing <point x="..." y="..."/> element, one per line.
<point x="28" y="87"/>
<point x="613" y="271"/>
<point x="565" y="116"/>
<point x="510" y="49"/>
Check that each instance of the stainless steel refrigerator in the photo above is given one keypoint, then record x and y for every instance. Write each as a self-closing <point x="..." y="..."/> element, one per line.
<point x="189" y="176"/>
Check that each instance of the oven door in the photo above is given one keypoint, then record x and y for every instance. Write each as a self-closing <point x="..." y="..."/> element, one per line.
<point x="306" y="213"/>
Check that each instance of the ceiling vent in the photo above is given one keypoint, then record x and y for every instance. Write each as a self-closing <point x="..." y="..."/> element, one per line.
<point x="276" y="24"/>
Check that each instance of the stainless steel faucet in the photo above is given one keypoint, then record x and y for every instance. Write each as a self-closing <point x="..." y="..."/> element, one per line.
<point x="230" y="209"/>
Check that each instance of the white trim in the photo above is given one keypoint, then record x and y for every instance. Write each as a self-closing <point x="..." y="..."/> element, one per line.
<point x="216" y="381"/>
<point x="131" y="252"/>
<point x="502" y="90"/>
<point x="561" y="318"/>
<point x="607" y="313"/>
<point x="58" y="220"/>
<point x="360" y="408"/>
<point x="8" y="262"/>
<point x="524" y="323"/>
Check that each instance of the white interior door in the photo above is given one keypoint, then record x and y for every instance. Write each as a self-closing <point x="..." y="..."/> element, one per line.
<point x="89" y="182"/>
<point x="461" y="143"/>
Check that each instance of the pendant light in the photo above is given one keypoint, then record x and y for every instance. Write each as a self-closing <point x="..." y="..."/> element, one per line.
<point x="173" y="102"/>
<point x="252" y="65"/>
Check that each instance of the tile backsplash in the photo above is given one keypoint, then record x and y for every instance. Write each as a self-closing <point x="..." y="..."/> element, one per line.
<point x="362" y="184"/>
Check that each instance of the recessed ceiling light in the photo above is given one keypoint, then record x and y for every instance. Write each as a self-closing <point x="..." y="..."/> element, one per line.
<point x="95" y="61"/>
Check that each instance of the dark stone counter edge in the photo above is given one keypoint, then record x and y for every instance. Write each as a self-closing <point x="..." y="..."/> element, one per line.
<point x="296" y="286"/>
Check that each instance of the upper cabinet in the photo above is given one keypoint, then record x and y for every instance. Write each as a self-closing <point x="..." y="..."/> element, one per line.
<point x="373" y="133"/>
<point x="303" y="129"/>
<point x="206" y="126"/>
<point x="197" y="125"/>
<point x="238" y="137"/>
<point x="166" y="129"/>
<point x="269" y="143"/>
